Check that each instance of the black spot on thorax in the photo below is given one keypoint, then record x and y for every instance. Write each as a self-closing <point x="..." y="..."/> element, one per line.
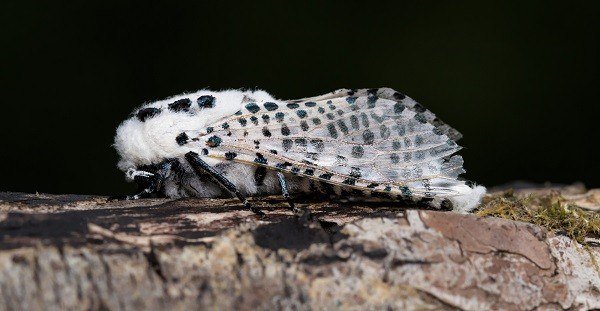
<point x="147" y="113"/>
<point x="270" y="106"/>
<point x="206" y="101"/>
<point x="183" y="104"/>
<point x="182" y="139"/>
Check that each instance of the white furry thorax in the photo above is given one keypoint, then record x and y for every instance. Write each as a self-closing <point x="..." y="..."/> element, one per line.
<point x="153" y="140"/>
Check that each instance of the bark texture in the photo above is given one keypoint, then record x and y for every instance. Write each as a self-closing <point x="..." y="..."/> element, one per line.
<point x="82" y="252"/>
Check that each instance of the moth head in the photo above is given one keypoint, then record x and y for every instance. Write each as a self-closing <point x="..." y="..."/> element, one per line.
<point x="148" y="137"/>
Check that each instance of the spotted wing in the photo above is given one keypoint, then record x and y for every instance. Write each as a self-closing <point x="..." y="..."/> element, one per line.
<point x="354" y="141"/>
<point x="391" y="94"/>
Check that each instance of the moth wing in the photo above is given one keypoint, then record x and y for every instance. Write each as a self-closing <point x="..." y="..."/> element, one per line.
<point x="365" y="142"/>
<point x="390" y="94"/>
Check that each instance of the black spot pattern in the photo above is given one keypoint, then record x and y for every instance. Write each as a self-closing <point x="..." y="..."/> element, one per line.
<point x="230" y="155"/>
<point x="446" y="205"/>
<point x="310" y="104"/>
<point x="357" y="151"/>
<point x="301" y="142"/>
<point x="372" y="185"/>
<point x="279" y="116"/>
<point x="368" y="137"/>
<point x="301" y="113"/>
<point x="209" y="130"/>
<point x="254" y="120"/>
<point x="332" y="131"/>
<point x="421" y="118"/>
<point x="270" y="106"/>
<point x="287" y="144"/>
<point x="225" y="125"/>
<point x="384" y="131"/>
<point x="371" y="100"/>
<point x="304" y="125"/>
<point x="309" y="172"/>
<point x="293" y="105"/>
<point x="283" y="165"/>
<point x="349" y="181"/>
<point x="316" y="121"/>
<point x="266" y="132"/>
<point x="399" y="96"/>
<point x="204" y="151"/>
<point x="377" y="117"/>
<point x="418" y="140"/>
<point x="147" y="113"/>
<point x="354" y="122"/>
<point x="342" y="125"/>
<point x="351" y="99"/>
<point x="252" y="107"/>
<point x="243" y="121"/>
<point x="330" y="116"/>
<point x="213" y="141"/>
<point x="321" y="110"/>
<point x="326" y="176"/>
<point x="182" y="139"/>
<point x="365" y="119"/>
<point x="355" y="172"/>
<point x="419" y="108"/>
<point x="285" y="130"/>
<point x="266" y="118"/>
<point x="396" y="145"/>
<point x="183" y="104"/>
<point x="394" y="158"/>
<point x="206" y="101"/>
<point x="398" y="108"/>
<point x="318" y="144"/>
<point x="401" y="130"/>
<point x="260" y="159"/>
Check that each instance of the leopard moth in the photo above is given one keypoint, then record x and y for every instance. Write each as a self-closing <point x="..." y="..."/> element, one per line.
<point x="366" y="144"/>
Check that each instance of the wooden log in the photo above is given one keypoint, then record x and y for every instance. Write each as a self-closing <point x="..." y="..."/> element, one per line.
<point x="76" y="252"/>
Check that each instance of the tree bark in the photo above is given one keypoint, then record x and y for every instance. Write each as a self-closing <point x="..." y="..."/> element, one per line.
<point x="82" y="252"/>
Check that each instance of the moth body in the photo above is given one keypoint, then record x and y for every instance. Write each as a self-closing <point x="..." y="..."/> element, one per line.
<point x="368" y="144"/>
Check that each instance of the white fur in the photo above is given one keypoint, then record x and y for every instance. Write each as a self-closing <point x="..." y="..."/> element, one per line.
<point x="469" y="200"/>
<point x="143" y="143"/>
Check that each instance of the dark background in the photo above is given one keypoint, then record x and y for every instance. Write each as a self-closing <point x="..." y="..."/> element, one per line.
<point x="518" y="79"/>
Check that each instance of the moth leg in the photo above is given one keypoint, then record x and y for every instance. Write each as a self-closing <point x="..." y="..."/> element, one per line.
<point x="150" y="183"/>
<point x="303" y="213"/>
<point x="201" y="167"/>
<point x="285" y="193"/>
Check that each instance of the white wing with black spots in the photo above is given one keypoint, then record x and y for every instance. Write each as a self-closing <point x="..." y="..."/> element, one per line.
<point x="363" y="142"/>
<point x="391" y="94"/>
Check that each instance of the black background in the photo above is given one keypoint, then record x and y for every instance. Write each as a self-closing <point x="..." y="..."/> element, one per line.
<point x="518" y="79"/>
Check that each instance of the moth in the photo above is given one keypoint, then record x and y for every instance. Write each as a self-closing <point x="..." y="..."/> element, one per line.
<point x="365" y="145"/>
